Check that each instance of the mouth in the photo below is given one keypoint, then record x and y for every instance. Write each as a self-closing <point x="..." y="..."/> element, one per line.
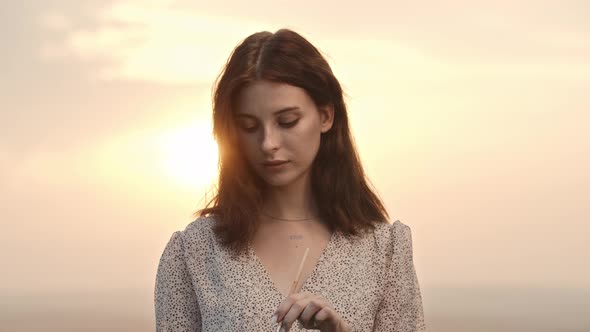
<point x="274" y="163"/>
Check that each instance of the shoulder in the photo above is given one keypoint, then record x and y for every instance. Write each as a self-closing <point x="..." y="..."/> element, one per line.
<point x="393" y="237"/>
<point x="199" y="231"/>
<point x="196" y="232"/>
<point x="392" y="231"/>
<point x="202" y="224"/>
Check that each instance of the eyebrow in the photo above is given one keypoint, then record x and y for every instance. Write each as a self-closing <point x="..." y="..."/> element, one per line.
<point x="282" y="110"/>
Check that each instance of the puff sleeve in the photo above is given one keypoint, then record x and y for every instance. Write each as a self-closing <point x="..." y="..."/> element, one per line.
<point x="176" y="304"/>
<point x="400" y="309"/>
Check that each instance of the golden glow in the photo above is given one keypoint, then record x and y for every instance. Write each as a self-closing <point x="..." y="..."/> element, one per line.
<point x="188" y="155"/>
<point x="488" y="133"/>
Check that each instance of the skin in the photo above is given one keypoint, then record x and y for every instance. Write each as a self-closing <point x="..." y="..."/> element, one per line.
<point x="269" y="132"/>
<point x="278" y="121"/>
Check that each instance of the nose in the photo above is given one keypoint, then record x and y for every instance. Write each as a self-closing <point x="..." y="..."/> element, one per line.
<point x="270" y="140"/>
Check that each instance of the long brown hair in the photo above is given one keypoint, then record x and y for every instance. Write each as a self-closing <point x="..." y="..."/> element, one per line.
<point x="341" y="190"/>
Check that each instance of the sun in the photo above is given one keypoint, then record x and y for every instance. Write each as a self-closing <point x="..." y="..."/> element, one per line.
<point x="188" y="155"/>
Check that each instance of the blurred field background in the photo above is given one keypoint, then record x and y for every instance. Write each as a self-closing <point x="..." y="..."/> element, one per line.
<point x="471" y="118"/>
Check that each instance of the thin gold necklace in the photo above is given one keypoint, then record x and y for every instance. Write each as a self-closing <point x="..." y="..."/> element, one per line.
<point x="264" y="213"/>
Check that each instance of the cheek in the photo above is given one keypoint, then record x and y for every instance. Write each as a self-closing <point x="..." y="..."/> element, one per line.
<point x="247" y="144"/>
<point x="305" y="142"/>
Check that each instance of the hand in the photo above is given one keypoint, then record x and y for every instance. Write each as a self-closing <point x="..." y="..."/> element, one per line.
<point x="312" y="311"/>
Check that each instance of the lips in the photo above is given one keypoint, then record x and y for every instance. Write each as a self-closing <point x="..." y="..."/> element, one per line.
<point x="274" y="162"/>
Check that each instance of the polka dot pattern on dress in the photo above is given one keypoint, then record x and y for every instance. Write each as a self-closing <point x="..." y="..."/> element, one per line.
<point x="370" y="281"/>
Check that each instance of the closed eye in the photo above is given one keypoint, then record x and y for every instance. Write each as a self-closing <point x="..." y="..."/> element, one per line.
<point x="288" y="124"/>
<point x="252" y="128"/>
<point x="249" y="129"/>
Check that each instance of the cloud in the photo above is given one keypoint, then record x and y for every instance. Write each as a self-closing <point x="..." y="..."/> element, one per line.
<point x="150" y="42"/>
<point x="173" y="42"/>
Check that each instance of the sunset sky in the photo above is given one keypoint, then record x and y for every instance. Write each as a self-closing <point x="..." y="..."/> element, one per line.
<point x="471" y="119"/>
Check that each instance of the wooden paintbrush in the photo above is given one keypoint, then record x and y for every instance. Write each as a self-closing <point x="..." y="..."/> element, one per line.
<point x="296" y="281"/>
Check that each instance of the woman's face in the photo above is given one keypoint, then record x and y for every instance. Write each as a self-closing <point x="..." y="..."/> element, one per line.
<point x="278" y="122"/>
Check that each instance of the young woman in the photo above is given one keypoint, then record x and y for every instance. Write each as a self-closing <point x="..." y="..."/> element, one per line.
<point x="289" y="179"/>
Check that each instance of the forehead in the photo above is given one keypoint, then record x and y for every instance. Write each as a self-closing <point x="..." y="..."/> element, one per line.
<point x="262" y="97"/>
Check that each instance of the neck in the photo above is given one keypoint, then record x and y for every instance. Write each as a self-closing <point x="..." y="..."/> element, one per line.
<point x="294" y="201"/>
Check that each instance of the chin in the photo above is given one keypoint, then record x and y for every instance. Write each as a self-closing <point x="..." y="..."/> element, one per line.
<point x="282" y="180"/>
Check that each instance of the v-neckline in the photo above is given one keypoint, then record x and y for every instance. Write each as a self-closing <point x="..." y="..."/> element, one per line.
<point x="266" y="274"/>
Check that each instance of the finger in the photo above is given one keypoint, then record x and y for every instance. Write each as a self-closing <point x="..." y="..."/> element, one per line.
<point x="288" y="302"/>
<point x="325" y="317"/>
<point x="295" y="311"/>
<point x="308" y="316"/>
